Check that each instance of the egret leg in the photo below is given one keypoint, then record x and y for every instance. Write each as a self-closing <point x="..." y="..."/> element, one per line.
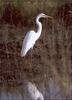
<point x="31" y="57"/>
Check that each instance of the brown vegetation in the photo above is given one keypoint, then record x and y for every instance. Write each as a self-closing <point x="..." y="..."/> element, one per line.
<point x="51" y="57"/>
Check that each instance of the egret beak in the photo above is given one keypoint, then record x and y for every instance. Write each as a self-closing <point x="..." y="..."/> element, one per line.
<point x="49" y="17"/>
<point x="46" y="16"/>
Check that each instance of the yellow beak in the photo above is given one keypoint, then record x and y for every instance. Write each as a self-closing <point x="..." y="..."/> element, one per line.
<point x="49" y="17"/>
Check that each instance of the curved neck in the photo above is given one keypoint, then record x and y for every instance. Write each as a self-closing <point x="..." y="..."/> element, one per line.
<point x="39" y="30"/>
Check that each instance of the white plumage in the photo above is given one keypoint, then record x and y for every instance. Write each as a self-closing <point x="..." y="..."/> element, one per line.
<point x="35" y="94"/>
<point x="32" y="36"/>
<point x="28" y="42"/>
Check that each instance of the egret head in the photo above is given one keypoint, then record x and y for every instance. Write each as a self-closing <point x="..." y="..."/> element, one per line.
<point x="42" y="15"/>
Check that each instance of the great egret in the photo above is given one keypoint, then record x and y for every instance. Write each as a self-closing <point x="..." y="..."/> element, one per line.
<point x="35" y="94"/>
<point x="32" y="36"/>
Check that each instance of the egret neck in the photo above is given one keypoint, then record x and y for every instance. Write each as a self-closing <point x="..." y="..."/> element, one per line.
<point x="39" y="25"/>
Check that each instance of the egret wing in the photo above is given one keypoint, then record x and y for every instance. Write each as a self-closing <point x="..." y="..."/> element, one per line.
<point x="29" y="39"/>
<point x="28" y="42"/>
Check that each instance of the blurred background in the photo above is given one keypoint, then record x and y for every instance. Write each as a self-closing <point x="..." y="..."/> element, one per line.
<point x="49" y="64"/>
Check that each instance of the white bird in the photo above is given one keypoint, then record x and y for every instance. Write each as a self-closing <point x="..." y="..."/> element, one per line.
<point x="35" y="94"/>
<point x="32" y="36"/>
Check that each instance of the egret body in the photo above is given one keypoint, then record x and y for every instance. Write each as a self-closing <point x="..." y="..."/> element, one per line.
<point x="32" y="36"/>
